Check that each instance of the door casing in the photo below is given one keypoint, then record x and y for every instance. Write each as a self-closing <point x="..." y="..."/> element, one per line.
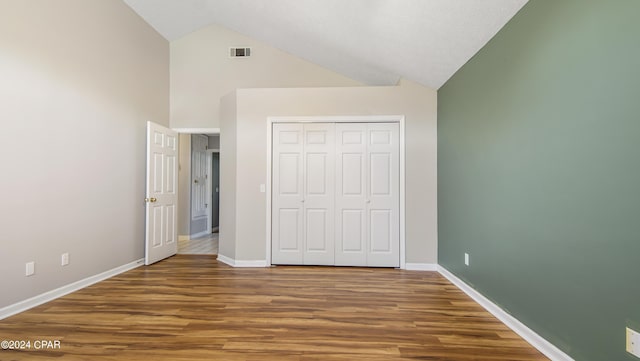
<point x="190" y="131"/>
<point x="210" y="189"/>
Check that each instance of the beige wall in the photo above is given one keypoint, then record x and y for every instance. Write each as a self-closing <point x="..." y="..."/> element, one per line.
<point x="416" y="103"/>
<point x="184" y="186"/>
<point x="202" y="72"/>
<point x="228" y="166"/>
<point x="79" y="80"/>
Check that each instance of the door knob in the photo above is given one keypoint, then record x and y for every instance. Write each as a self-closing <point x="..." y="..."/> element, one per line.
<point x="195" y="181"/>
<point x="152" y="200"/>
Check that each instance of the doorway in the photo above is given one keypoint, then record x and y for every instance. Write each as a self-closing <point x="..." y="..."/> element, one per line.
<point x="199" y="191"/>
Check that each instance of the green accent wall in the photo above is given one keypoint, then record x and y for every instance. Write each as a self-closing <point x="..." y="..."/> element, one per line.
<point x="539" y="173"/>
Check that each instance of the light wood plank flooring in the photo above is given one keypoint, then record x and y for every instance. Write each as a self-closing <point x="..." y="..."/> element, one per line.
<point x="203" y="245"/>
<point x="195" y="308"/>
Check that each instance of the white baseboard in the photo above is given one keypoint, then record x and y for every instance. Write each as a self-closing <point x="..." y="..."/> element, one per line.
<point x="537" y="341"/>
<point x="65" y="290"/>
<point x="420" y="266"/>
<point x="253" y="263"/>
<point x="226" y="260"/>
<point x="241" y="263"/>
<point x="184" y="237"/>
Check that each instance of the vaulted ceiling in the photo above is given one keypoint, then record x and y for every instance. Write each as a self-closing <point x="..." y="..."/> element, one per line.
<point x="373" y="41"/>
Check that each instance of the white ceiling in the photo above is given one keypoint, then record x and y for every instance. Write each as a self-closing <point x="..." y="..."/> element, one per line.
<point x="372" y="41"/>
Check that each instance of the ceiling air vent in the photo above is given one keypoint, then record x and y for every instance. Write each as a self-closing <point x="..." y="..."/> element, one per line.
<point x="239" y="52"/>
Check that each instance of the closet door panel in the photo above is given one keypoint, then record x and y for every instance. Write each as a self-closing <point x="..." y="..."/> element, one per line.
<point x="351" y="220"/>
<point x="287" y="194"/>
<point x="319" y="193"/>
<point x="335" y="195"/>
<point x="383" y="215"/>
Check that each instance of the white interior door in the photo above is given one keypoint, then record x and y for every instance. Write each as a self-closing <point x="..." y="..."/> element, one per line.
<point x="351" y="194"/>
<point x="335" y="196"/>
<point x="287" y="194"/>
<point x="161" y="195"/>
<point x="319" y="194"/>
<point x="199" y="178"/>
<point x="383" y="195"/>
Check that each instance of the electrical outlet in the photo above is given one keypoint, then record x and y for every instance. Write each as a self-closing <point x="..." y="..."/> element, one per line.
<point x="30" y="268"/>
<point x="466" y="259"/>
<point x="633" y="342"/>
<point x="64" y="260"/>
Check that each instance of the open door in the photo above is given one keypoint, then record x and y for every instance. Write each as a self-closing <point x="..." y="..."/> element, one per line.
<point x="161" y="197"/>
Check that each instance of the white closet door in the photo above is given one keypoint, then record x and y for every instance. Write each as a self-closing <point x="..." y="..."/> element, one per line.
<point x="319" y="193"/>
<point x="287" y="195"/>
<point x="336" y="194"/>
<point x="383" y="198"/>
<point x="351" y="194"/>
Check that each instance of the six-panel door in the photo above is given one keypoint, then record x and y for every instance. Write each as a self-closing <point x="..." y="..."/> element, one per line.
<point x="335" y="194"/>
<point x="287" y="203"/>
<point x="161" y="194"/>
<point x="318" y="199"/>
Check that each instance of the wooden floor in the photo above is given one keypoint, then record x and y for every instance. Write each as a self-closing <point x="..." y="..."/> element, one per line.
<point x="203" y="245"/>
<point x="194" y="308"/>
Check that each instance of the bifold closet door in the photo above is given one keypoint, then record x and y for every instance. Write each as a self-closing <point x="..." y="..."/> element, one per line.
<point x="303" y="194"/>
<point x="351" y="194"/>
<point x="368" y="194"/>
<point x="383" y="198"/>
<point x="335" y="194"/>
<point x="287" y="194"/>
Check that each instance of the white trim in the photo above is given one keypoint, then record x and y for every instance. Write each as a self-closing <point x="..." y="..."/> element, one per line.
<point x="226" y="260"/>
<point x="197" y="130"/>
<point x="403" y="252"/>
<point x="242" y="263"/>
<point x="201" y="234"/>
<point x="209" y="187"/>
<point x="208" y="190"/>
<point x="339" y="119"/>
<point x="537" y="341"/>
<point x="252" y="263"/>
<point x="184" y="238"/>
<point x="65" y="290"/>
<point x="270" y="122"/>
<point x="421" y="267"/>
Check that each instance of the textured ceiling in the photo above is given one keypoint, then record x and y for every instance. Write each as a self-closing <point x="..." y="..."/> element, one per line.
<point x="373" y="41"/>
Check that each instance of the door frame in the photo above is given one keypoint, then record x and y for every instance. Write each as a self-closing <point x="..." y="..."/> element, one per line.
<point x="205" y="131"/>
<point x="210" y="188"/>
<point x="337" y="119"/>
<point x="206" y="190"/>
